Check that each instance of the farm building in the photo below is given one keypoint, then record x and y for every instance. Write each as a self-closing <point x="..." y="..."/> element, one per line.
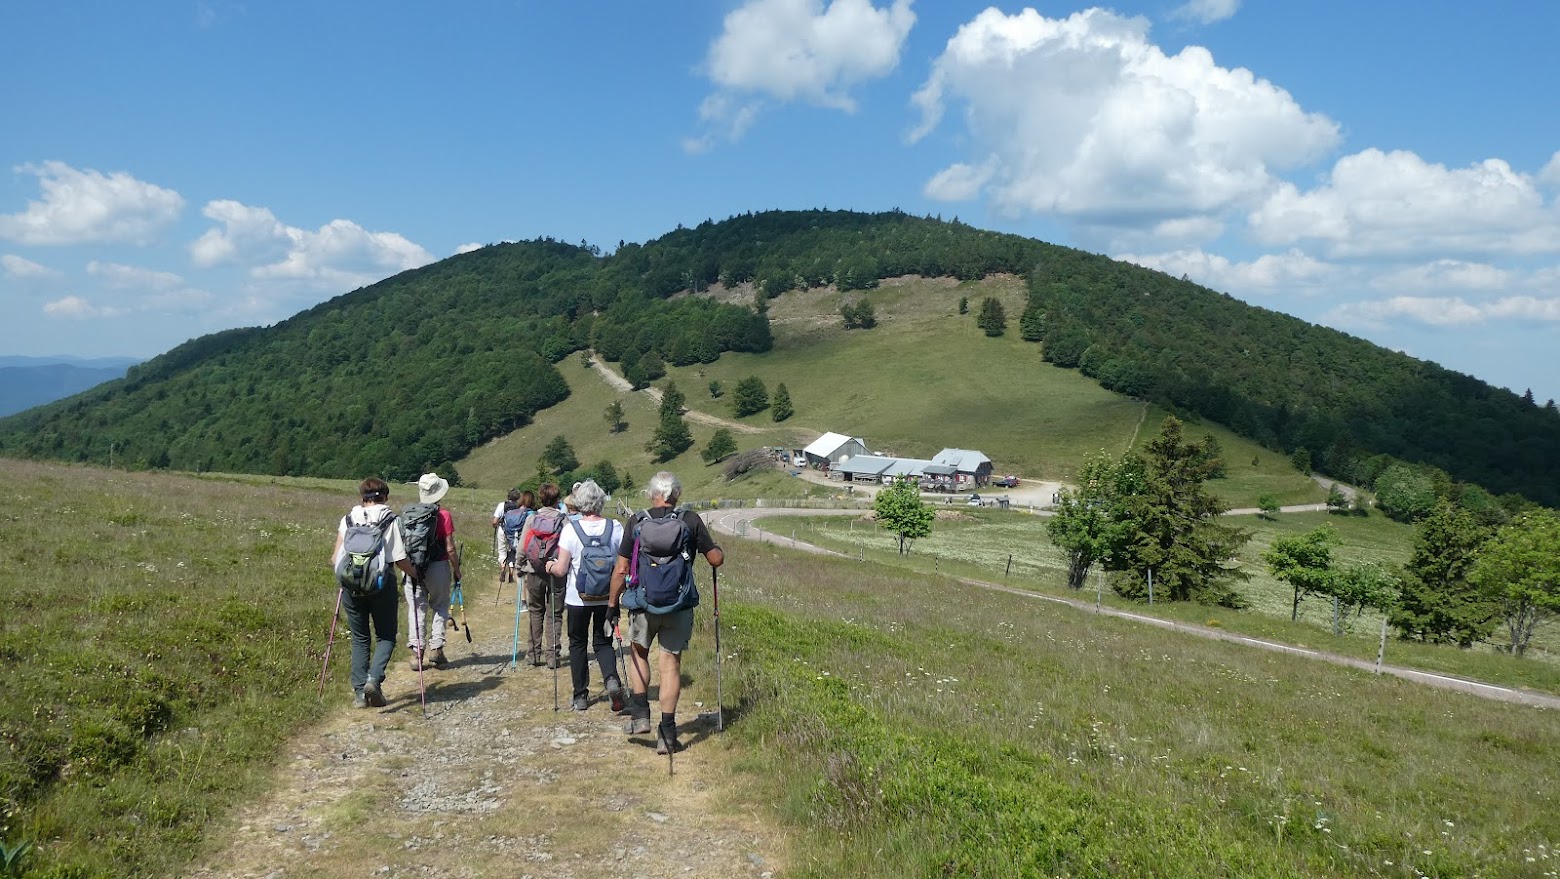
<point x="831" y="449"/>
<point x="970" y="467"/>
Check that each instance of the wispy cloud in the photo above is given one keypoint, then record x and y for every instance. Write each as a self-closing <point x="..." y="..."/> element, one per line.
<point x="1206" y="11"/>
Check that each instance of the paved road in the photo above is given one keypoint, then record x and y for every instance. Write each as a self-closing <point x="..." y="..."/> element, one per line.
<point x="725" y="522"/>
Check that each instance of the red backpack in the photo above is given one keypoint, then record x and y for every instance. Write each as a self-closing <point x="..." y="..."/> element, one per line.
<point x="541" y="546"/>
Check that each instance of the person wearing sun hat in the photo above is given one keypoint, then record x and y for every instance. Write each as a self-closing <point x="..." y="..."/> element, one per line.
<point x="429" y="605"/>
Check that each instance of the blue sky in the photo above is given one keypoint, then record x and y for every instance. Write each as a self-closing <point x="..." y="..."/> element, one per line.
<point x="1391" y="169"/>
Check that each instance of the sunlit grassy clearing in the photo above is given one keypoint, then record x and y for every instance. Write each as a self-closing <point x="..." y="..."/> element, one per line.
<point x="980" y="543"/>
<point x="920" y="730"/>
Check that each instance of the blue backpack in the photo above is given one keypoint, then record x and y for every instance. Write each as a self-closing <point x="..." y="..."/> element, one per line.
<point x="514" y="524"/>
<point x="660" y="572"/>
<point x="597" y="559"/>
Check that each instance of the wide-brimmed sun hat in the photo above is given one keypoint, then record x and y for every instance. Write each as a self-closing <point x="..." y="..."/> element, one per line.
<point x="430" y="488"/>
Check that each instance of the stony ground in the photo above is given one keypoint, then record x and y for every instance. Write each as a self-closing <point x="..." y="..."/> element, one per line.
<point x="494" y="782"/>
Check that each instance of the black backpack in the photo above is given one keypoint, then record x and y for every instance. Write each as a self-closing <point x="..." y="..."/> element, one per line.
<point x="362" y="569"/>
<point x="660" y="569"/>
<point x="418" y="522"/>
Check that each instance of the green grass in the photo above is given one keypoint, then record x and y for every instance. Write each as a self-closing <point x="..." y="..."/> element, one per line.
<point x="907" y="727"/>
<point x="162" y="637"/>
<point x="926" y="378"/>
<point x="979" y="543"/>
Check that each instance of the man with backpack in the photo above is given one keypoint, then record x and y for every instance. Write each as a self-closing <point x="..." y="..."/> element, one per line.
<point x="428" y="531"/>
<point x="653" y="579"/>
<point x="587" y="554"/>
<point x="543" y="591"/>
<point x="368" y="549"/>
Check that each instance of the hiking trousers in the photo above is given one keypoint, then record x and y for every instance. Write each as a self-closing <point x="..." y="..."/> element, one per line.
<point x="543" y="622"/>
<point x="430" y="606"/>
<point x="372" y="621"/>
<point x="592" y="622"/>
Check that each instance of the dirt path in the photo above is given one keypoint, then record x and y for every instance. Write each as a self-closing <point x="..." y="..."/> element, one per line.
<point x="493" y="782"/>
<point x="726" y="522"/>
<point x="622" y="384"/>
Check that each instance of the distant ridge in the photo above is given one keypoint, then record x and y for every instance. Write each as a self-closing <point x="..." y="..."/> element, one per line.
<point x="415" y="371"/>
<point x="25" y="386"/>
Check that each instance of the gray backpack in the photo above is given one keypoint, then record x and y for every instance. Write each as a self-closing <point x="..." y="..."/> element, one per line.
<point x="597" y="559"/>
<point x="362" y="569"/>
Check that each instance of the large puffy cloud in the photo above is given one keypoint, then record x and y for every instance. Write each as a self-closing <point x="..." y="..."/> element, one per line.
<point x="1396" y="204"/>
<point x="90" y="207"/>
<point x="340" y="254"/>
<point x="798" y="50"/>
<point x="1085" y="119"/>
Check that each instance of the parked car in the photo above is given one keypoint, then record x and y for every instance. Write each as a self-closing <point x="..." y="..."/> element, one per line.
<point x="974" y="500"/>
<point x="1008" y="482"/>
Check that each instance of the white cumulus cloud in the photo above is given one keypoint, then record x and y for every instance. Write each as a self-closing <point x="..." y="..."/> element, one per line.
<point x="467" y="247"/>
<point x="1395" y="204"/>
<point x="83" y="206"/>
<point x="22" y="268"/>
<point x="1443" y="311"/>
<point x="797" y="50"/>
<point x="1270" y="273"/>
<point x="77" y="308"/>
<point x="1445" y="274"/>
<point x="1085" y="119"/>
<point x="340" y="254"/>
<point x="1206" y="11"/>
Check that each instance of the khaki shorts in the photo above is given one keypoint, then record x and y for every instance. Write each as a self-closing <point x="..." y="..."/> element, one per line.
<point x="671" y="630"/>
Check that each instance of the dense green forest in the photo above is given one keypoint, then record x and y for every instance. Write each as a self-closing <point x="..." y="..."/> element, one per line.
<point x="414" y="371"/>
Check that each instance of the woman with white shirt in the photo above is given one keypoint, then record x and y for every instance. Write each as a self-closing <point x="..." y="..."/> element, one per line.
<point x="587" y="553"/>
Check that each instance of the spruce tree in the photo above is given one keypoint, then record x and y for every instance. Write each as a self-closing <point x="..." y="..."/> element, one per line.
<point x="671" y="438"/>
<point x="780" y="407"/>
<point x="750" y="396"/>
<point x="721" y="445"/>
<point x="993" y="318"/>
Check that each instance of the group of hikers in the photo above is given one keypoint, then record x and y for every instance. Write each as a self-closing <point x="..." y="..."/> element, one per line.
<point x="578" y="571"/>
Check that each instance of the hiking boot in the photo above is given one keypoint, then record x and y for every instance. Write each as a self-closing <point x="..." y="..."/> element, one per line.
<point x="373" y="694"/>
<point x="553" y="662"/>
<point x="615" y="693"/>
<point x="359" y="700"/>
<point x="666" y="739"/>
<point x="580" y="703"/>
<point x="436" y="658"/>
<point x="637" y="726"/>
<point x="415" y="663"/>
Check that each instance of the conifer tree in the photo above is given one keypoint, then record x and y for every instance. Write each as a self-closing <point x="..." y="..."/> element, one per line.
<point x="750" y="396"/>
<point x="780" y="407"/>
<point x="993" y="318"/>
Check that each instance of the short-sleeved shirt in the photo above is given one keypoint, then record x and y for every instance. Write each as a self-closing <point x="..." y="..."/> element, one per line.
<point x="445" y="527"/>
<point x="569" y="542"/>
<point x="502" y="508"/>
<point x="395" y="549"/>
<point x="703" y="541"/>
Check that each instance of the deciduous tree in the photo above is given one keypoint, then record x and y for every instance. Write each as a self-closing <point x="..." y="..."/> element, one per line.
<point x="1304" y="561"/>
<point x="721" y="445"/>
<point x="614" y="416"/>
<point x="1519" y="570"/>
<point x="901" y="511"/>
<point x="559" y="456"/>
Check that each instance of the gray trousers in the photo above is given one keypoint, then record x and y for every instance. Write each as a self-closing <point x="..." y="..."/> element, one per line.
<point x="543" y="623"/>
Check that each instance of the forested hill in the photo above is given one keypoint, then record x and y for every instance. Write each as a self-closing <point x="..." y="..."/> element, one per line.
<point x="414" y="371"/>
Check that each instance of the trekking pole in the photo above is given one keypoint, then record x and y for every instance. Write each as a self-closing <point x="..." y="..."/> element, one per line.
<point x="720" y="704"/>
<point x="460" y="597"/>
<point x="514" y="656"/>
<point x="557" y="658"/>
<point x="331" y="640"/>
<point x="422" y="685"/>
<point x="617" y="647"/>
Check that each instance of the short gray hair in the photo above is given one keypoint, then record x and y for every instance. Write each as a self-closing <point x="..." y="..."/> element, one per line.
<point x="666" y="486"/>
<point x="589" y="497"/>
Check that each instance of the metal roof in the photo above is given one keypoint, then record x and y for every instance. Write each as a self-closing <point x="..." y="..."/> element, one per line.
<point x="826" y="445"/>
<point x="965" y="460"/>
<point x="864" y="465"/>
<point x="939" y="469"/>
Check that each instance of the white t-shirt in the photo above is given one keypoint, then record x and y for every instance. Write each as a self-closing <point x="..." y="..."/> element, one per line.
<point x="395" y="549"/>
<point x="569" y="542"/>
<point x="498" y="511"/>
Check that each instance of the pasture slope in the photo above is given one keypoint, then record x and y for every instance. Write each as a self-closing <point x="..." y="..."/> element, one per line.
<point x="879" y="723"/>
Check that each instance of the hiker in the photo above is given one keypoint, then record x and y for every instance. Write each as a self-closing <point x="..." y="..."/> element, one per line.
<point x="510" y="528"/>
<point x="587" y="553"/>
<point x="543" y="591"/>
<point x="371" y="615"/>
<point x="510" y="502"/>
<point x="664" y="542"/>
<point x="428" y="596"/>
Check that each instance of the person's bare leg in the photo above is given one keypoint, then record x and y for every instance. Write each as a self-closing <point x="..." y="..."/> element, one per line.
<point x="671" y="681"/>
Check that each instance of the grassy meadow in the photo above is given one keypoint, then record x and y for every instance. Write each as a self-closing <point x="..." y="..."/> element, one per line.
<point x="906" y="726"/>
<point x="927" y="378"/>
<point x="977" y="543"/>
<point x="162" y="639"/>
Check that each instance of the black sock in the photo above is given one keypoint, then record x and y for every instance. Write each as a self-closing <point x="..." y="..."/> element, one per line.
<point x="669" y="722"/>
